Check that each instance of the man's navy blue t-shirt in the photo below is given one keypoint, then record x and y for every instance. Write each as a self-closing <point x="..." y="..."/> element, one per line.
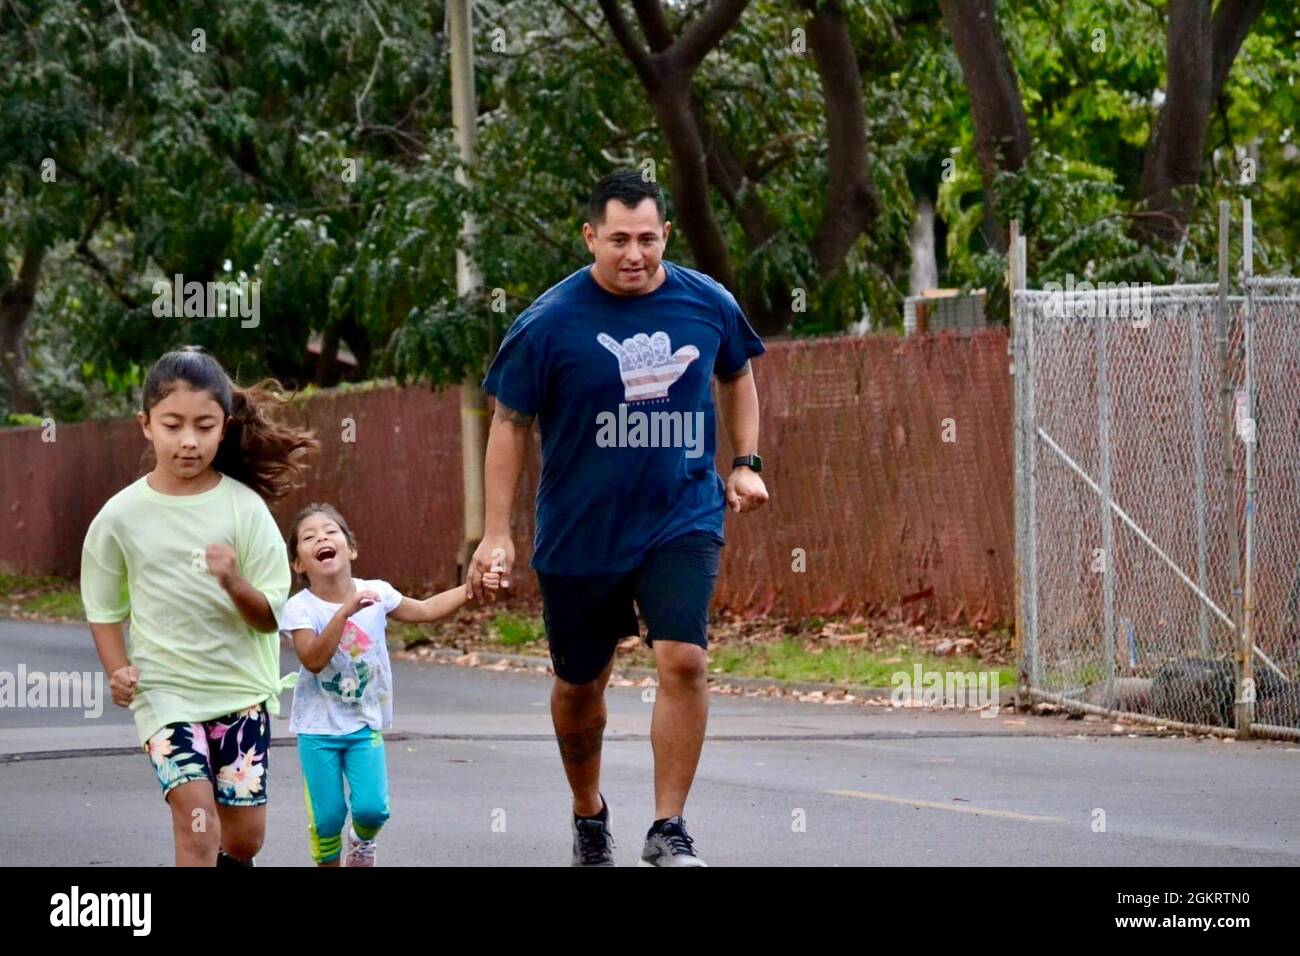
<point x="620" y="385"/>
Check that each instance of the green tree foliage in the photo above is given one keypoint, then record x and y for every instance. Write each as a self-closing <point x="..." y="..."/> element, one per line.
<point x="308" y="145"/>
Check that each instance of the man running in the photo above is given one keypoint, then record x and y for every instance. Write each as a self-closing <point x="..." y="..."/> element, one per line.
<point x="615" y="363"/>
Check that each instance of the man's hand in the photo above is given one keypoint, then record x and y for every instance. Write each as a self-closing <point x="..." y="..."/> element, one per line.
<point x="121" y="685"/>
<point x="222" y="564"/>
<point x="495" y="555"/>
<point x="745" y="490"/>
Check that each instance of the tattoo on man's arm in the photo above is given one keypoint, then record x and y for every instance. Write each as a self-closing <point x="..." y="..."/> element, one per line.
<point x="738" y="374"/>
<point x="512" y="416"/>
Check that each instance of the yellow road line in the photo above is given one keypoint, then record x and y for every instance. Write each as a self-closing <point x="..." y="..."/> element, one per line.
<point x="933" y="805"/>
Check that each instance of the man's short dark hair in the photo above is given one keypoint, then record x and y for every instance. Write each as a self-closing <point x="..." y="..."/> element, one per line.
<point x="627" y="187"/>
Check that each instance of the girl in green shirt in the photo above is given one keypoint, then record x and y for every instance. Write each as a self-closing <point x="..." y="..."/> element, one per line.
<point x="192" y="556"/>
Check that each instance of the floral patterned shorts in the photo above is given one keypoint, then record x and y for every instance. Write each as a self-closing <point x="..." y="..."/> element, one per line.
<point x="230" y="752"/>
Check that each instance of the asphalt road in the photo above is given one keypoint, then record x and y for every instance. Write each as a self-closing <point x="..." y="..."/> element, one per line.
<point x="475" y="779"/>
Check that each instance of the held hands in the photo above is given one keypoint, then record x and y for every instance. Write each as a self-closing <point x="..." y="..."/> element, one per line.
<point x="122" y="684"/>
<point x="489" y="585"/>
<point x="745" y="490"/>
<point x="491" y="579"/>
<point x="489" y="569"/>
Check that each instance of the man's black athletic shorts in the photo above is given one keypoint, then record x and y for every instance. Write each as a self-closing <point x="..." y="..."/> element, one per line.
<point x="587" y="615"/>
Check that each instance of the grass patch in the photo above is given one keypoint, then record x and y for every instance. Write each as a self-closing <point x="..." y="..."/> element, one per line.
<point x="47" y="596"/>
<point x="1068" y="678"/>
<point x="62" y="604"/>
<point x="12" y="583"/>
<point x="468" y="631"/>
<point x="515" y="630"/>
<point x="791" y="659"/>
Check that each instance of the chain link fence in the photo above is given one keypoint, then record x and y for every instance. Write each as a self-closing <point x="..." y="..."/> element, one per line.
<point x="1272" y="526"/>
<point x="1158" y="500"/>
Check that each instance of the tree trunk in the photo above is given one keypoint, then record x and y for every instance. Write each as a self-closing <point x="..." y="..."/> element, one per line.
<point x="690" y="181"/>
<point x="700" y="158"/>
<point x="1173" y="161"/>
<point x="769" y="309"/>
<point x="1199" y="51"/>
<point x="1002" y="142"/>
<point x="15" y="308"/>
<point x="851" y="204"/>
<point x="924" y="272"/>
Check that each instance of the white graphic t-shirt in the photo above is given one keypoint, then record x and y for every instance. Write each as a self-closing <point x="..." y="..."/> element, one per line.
<point x="355" y="689"/>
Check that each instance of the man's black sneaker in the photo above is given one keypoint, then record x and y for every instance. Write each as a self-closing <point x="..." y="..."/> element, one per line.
<point x="593" y="845"/>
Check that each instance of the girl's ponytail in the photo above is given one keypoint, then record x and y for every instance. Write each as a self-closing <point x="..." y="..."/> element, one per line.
<point x="264" y="453"/>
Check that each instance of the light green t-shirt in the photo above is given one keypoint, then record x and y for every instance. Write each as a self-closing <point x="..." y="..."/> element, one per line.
<point x="198" y="659"/>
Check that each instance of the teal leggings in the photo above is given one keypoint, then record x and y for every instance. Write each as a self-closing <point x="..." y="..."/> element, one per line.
<point x="328" y="759"/>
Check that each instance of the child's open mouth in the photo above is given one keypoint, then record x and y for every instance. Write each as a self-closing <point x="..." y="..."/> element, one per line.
<point x="325" y="554"/>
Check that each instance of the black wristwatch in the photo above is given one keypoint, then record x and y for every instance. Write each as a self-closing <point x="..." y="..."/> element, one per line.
<point x="752" y="462"/>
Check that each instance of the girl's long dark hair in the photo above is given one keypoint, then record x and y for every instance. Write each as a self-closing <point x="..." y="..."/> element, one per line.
<point x="268" y="455"/>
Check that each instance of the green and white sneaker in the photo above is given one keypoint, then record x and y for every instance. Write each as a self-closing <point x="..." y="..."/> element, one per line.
<point x="667" y="844"/>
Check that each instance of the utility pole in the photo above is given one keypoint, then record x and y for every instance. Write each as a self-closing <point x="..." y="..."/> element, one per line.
<point x="473" y="405"/>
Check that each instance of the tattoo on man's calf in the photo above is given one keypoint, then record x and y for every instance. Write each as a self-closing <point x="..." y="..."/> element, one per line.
<point x="582" y="746"/>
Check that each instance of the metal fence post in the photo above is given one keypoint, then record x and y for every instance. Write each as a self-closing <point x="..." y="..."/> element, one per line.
<point x="1245" y="679"/>
<point x="1226" y="428"/>
<point x="1020" y="511"/>
<point x="1107" y="532"/>
<point x="1031" y="466"/>
<point x="1198" y="438"/>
